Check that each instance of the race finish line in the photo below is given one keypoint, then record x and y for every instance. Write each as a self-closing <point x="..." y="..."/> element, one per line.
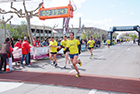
<point x="107" y="83"/>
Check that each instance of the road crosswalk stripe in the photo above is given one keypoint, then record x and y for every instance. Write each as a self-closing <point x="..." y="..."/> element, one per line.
<point x="93" y="91"/>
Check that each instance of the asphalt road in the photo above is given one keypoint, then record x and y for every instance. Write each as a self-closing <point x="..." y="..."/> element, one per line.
<point x="120" y="60"/>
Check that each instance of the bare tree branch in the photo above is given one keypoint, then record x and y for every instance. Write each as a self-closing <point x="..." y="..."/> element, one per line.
<point x="13" y="7"/>
<point x="24" y="7"/>
<point x="37" y="7"/>
<point x="18" y="14"/>
<point x="9" y="19"/>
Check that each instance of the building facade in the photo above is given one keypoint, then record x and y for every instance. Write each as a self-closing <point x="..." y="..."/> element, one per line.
<point x="89" y="31"/>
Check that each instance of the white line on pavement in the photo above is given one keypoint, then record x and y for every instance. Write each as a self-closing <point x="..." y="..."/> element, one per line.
<point x="101" y="56"/>
<point x="72" y="71"/>
<point x="4" y="86"/>
<point x="128" y="49"/>
<point x="93" y="91"/>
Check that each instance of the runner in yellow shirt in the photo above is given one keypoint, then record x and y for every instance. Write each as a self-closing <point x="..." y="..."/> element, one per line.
<point x="53" y="50"/>
<point x="108" y="43"/>
<point x="120" y="41"/>
<point x="66" y="51"/>
<point x="72" y="44"/>
<point x="91" y="43"/>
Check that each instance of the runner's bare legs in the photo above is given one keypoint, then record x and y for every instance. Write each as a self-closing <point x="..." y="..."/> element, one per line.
<point x="66" y="57"/>
<point x="74" y="62"/>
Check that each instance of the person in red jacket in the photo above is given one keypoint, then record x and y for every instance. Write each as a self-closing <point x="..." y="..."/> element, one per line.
<point x="10" y="58"/>
<point x="25" y="52"/>
<point x="29" y="56"/>
<point x="18" y="43"/>
<point x="38" y="42"/>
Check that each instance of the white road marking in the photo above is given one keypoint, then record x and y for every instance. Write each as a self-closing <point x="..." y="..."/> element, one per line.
<point x="128" y="49"/>
<point x="72" y="71"/>
<point x="4" y="86"/>
<point x="101" y="56"/>
<point x="93" y="91"/>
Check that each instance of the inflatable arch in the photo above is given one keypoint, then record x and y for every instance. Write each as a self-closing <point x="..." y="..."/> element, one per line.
<point x="124" y="28"/>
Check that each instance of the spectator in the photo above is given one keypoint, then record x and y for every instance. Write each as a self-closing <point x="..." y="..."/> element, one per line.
<point x="38" y="43"/>
<point x="4" y="53"/>
<point x="25" y="51"/>
<point x="44" y="43"/>
<point x="34" y="42"/>
<point x="29" y="60"/>
<point x="10" y="55"/>
<point x="18" y="43"/>
<point x="83" y="42"/>
<point x="98" y="42"/>
<point x="58" y="42"/>
<point x="12" y="42"/>
<point x="61" y="38"/>
<point x="47" y="41"/>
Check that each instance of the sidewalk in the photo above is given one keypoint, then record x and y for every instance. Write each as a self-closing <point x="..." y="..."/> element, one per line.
<point x="108" y="83"/>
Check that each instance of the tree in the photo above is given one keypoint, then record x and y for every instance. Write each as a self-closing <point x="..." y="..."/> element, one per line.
<point x="28" y="15"/>
<point x="11" y="31"/>
<point x="22" y="28"/>
<point x="134" y="36"/>
<point x="4" y="25"/>
<point x="83" y="35"/>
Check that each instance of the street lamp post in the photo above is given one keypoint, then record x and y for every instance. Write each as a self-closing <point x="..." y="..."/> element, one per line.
<point x="43" y="31"/>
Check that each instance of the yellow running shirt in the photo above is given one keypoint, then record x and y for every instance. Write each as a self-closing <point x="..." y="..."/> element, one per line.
<point x="53" y="49"/>
<point x="73" y="46"/>
<point x="91" y="42"/>
<point x="108" y="41"/>
<point x="64" y="44"/>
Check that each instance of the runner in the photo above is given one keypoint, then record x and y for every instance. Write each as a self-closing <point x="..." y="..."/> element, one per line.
<point x="53" y="50"/>
<point x="120" y="41"/>
<point x="73" y="47"/>
<point x="108" y="43"/>
<point x="66" y="51"/>
<point x="90" y="44"/>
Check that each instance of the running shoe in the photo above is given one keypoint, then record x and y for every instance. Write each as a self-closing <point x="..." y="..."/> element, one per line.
<point x="55" y="65"/>
<point x="90" y="57"/>
<point x="22" y="66"/>
<point x="29" y="65"/>
<point x="78" y="75"/>
<point x="79" y="62"/>
<point x="65" y="67"/>
<point x="53" y="62"/>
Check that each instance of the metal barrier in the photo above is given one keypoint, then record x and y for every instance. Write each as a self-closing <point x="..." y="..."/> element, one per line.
<point x="83" y="47"/>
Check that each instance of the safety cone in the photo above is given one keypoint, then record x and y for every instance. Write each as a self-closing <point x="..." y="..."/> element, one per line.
<point x="7" y="68"/>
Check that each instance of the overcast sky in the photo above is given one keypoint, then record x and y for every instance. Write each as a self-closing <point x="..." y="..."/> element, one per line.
<point x="96" y="13"/>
